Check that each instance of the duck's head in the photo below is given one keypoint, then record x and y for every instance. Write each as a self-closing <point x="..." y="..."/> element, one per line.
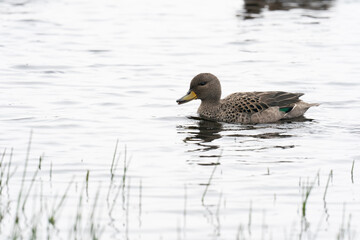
<point x="204" y="86"/>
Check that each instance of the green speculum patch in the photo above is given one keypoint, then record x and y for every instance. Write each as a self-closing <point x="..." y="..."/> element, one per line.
<point x="285" y="109"/>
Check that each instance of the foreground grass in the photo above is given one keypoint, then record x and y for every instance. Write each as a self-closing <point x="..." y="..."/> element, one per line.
<point x="33" y="213"/>
<point x="44" y="218"/>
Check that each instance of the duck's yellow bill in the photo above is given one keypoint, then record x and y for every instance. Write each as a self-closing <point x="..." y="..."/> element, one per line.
<point x="187" y="98"/>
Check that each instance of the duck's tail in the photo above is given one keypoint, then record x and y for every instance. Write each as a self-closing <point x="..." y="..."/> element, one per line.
<point x="299" y="109"/>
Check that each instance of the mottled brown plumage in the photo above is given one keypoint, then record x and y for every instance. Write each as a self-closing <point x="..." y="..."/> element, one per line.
<point x="243" y="107"/>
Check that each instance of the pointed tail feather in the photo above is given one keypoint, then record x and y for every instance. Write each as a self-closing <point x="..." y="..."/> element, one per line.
<point x="299" y="109"/>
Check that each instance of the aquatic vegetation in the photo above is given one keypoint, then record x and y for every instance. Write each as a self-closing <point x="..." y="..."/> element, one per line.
<point x="34" y="214"/>
<point x="210" y="178"/>
<point x="352" y="171"/>
<point x="45" y="218"/>
<point x="327" y="183"/>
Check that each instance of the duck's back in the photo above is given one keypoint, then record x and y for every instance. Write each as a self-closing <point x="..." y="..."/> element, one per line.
<point x="261" y="107"/>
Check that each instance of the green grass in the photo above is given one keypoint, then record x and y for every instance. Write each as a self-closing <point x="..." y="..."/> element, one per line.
<point x="352" y="171"/>
<point x="33" y="214"/>
<point x="210" y="178"/>
<point x="307" y="188"/>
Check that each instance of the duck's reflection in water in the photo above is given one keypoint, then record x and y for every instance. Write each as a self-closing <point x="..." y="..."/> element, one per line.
<point x="252" y="8"/>
<point x="201" y="133"/>
<point x="237" y="138"/>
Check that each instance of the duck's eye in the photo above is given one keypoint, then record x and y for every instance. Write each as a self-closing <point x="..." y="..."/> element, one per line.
<point x="202" y="83"/>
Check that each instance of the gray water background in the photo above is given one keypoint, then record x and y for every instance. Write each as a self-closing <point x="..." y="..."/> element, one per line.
<point x="82" y="75"/>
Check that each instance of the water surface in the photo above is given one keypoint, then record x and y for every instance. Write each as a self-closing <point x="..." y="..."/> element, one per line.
<point x="84" y="75"/>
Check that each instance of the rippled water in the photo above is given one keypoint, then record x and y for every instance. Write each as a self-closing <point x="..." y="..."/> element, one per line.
<point x="82" y="75"/>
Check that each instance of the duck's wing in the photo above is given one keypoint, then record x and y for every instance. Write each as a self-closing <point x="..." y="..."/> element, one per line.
<point x="278" y="98"/>
<point x="253" y="102"/>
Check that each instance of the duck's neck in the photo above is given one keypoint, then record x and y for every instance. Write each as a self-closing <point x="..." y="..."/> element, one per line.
<point x="209" y="108"/>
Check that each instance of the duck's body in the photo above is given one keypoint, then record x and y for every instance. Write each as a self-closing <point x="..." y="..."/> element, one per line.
<point x="243" y="107"/>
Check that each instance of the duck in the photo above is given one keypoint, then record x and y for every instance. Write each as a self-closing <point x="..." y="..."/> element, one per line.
<point x="243" y="107"/>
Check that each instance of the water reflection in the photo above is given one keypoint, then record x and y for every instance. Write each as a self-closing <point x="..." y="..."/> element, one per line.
<point x="204" y="133"/>
<point x="201" y="133"/>
<point x="252" y="8"/>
